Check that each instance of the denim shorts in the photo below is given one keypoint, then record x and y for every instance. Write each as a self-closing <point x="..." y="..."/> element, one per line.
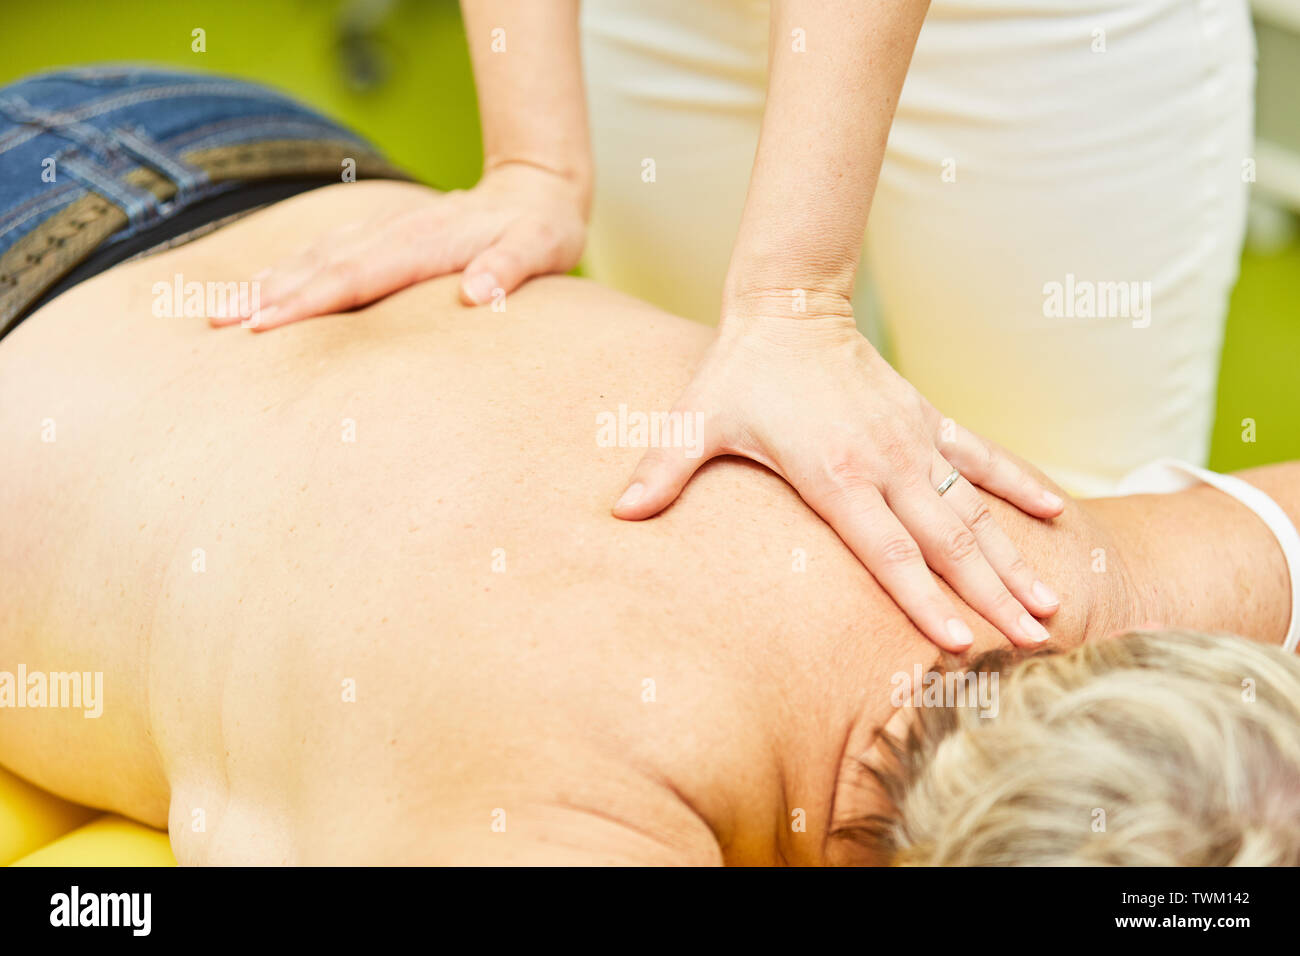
<point x="102" y="163"/>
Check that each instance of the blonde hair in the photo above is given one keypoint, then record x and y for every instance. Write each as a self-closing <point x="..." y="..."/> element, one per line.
<point x="1155" y="748"/>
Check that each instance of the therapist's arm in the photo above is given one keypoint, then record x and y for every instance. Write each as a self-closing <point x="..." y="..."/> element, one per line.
<point x="528" y="73"/>
<point x="526" y="216"/>
<point x="828" y="114"/>
<point x="792" y="384"/>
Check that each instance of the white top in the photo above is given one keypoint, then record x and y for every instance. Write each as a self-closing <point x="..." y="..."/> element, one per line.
<point x="1168" y="475"/>
<point x="1039" y="277"/>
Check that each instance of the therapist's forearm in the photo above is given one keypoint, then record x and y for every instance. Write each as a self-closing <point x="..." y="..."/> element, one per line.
<point x="828" y="113"/>
<point x="528" y="73"/>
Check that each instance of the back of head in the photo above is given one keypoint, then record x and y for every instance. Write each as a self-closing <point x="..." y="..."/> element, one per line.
<point x="1150" y="749"/>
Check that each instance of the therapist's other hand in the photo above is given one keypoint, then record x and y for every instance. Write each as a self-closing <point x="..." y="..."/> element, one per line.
<point x="519" y="221"/>
<point x="812" y="400"/>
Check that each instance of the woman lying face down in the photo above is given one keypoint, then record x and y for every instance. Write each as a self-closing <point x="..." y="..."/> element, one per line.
<point x="356" y="594"/>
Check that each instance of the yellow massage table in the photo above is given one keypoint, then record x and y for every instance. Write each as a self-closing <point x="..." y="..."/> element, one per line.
<point x="39" y="829"/>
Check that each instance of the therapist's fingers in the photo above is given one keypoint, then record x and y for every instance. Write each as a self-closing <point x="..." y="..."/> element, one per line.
<point x="991" y="468"/>
<point x="529" y="247"/>
<point x="351" y="266"/>
<point x="858" y="513"/>
<point x="276" y="282"/>
<point x="972" y="510"/>
<point x="658" y="479"/>
<point x="953" y="550"/>
<point x="347" y="279"/>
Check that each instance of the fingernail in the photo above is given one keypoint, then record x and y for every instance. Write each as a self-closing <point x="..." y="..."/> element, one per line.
<point x="1045" y="595"/>
<point x="479" y="289"/>
<point x="260" y="317"/>
<point x="1052" y="501"/>
<point x="959" y="632"/>
<point x="631" y="496"/>
<point x="259" y="276"/>
<point x="1032" y="629"/>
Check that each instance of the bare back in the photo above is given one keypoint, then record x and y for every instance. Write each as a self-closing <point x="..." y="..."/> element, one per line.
<point x="357" y="595"/>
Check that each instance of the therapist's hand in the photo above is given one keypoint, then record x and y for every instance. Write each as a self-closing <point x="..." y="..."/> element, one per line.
<point x="519" y="221"/>
<point x="812" y="400"/>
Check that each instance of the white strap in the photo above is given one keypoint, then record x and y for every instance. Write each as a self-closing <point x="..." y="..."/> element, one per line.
<point x="1168" y="474"/>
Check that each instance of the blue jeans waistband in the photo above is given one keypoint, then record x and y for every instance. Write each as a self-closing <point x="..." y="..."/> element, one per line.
<point x="92" y="157"/>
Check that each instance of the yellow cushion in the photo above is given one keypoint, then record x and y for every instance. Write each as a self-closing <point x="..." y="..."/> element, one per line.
<point x="39" y="829"/>
<point x="109" y="840"/>
<point x="31" y="817"/>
